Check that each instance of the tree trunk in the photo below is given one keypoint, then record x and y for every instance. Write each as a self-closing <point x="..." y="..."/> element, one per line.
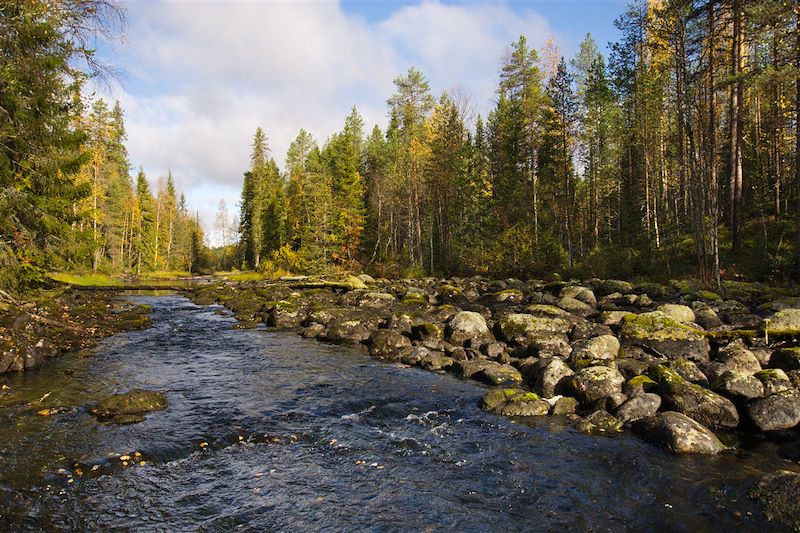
<point x="712" y="276"/>
<point x="736" y="126"/>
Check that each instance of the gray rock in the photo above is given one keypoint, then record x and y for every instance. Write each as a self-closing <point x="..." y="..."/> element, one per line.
<point x="778" y="411"/>
<point x="734" y="357"/>
<point x="517" y="328"/>
<point x="681" y="313"/>
<point x="596" y="383"/>
<point x="595" y="351"/>
<point x="785" y="321"/>
<point x="466" y="325"/>
<point x="498" y="374"/>
<point x="638" y="407"/>
<point x="553" y="377"/>
<point x="587" y="330"/>
<point x="575" y="307"/>
<point x="679" y="433"/>
<point x="739" y="386"/>
<point x="346" y="332"/>
<point x="786" y="358"/>
<point x="774" y="380"/>
<point x="582" y="294"/>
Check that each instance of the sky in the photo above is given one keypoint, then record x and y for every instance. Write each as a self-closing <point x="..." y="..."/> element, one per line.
<point x="198" y="77"/>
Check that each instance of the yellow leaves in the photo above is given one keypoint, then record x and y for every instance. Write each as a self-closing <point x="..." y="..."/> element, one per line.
<point x="44" y="412"/>
<point x="203" y="444"/>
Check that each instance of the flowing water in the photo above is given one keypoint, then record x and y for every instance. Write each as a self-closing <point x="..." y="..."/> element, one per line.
<point x="268" y="431"/>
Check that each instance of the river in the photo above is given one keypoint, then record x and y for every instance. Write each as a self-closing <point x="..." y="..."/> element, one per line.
<point x="269" y="431"/>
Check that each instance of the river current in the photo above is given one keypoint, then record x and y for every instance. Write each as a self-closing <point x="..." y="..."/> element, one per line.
<point x="266" y="431"/>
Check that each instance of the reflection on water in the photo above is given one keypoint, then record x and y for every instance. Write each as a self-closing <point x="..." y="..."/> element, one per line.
<point x="267" y="431"/>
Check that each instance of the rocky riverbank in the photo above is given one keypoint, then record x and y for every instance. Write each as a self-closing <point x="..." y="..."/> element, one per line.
<point x="50" y="323"/>
<point x="672" y="362"/>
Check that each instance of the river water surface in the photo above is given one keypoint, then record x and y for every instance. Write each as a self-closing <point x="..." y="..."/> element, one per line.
<point x="268" y="431"/>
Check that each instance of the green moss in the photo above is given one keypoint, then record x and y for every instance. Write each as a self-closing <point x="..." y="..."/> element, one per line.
<point x="708" y="296"/>
<point x="769" y="374"/>
<point x="641" y="381"/>
<point x="723" y="337"/>
<point x="665" y="376"/>
<point x="656" y="326"/>
<point x="547" y="311"/>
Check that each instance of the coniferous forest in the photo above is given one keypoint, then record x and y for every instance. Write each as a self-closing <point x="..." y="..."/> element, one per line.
<point x="677" y="154"/>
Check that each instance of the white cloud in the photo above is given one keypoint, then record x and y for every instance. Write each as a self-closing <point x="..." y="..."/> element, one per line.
<point x="203" y="75"/>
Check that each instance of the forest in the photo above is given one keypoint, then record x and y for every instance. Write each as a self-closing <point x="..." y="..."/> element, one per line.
<point x="677" y="155"/>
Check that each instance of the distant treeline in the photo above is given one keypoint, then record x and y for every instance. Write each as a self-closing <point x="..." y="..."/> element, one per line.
<point x="67" y="199"/>
<point x="676" y="155"/>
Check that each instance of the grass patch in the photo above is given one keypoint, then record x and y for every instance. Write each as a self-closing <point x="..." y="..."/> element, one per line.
<point x="85" y="280"/>
<point x="166" y="274"/>
<point x="242" y="276"/>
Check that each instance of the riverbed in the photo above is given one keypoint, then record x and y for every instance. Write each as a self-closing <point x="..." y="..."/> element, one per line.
<point x="269" y="431"/>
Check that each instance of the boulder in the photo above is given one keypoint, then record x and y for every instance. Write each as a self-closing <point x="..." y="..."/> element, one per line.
<point x="701" y="404"/>
<point x="285" y="315"/>
<point x="779" y="492"/>
<point x="679" y="433"/>
<point x="517" y="327"/>
<point x="388" y="344"/>
<point x="786" y="358"/>
<point x="128" y="407"/>
<point x="552" y="377"/>
<point x="565" y="405"/>
<point x="638" y="385"/>
<point x="436" y="361"/>
<point x="638" y="407"/>
<point x="575" y="307"/>
<point x="427" y="331"/>
<point x="664" y="335"/>
<point x="777" y="411"/>
<point x="595" y="383"/>
<point x="582" y="294"/>
<point x="514" y="402"/>
<point x="466" y="325"/>
<point x="739" y="386"/>
<point x="346" y="332"/>
<point x="587" y="330"/>
<point x="734" y="357"/>
<point x="599" y="422"/>
<point x="783" y="322"/>
<point x="688" y="371"/>
<point x="595" y="351"/>
<point x="681" y="313"/>
<point x="774" y="380"/>
<point x="498" y="374"/>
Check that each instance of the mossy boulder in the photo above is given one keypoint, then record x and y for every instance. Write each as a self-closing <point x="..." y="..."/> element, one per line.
<point x="520" y="328"/>
<point x="783" y="322"/>
<point x="638" y="385"/>
<point x="679" y="433"/>
<point x="779" y="492"/>
<point x="600" y="350"/>
<point x="388" y="344"/>
<point x="427" y="331"/>
<point x="600" y="422"/>
<point x="596" y="383"/>
<point x="128" y="407"/>
<point x="499" y="374"/>
<point x="436" y="362"/>
<point x="696" y="402"/>
<point x="664" y="335"/>
<point x="346" y="332"/>
<point x="774" y="380"/>
<point x="681" y="313"/>
<point x="514" y="402"/>
<point x="566" y="405"/>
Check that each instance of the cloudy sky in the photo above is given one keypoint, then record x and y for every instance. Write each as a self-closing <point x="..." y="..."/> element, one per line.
<point x="198" y="77"/>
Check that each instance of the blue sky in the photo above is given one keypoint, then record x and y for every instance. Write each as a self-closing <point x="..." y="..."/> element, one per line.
<point x="198" y="77"/>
